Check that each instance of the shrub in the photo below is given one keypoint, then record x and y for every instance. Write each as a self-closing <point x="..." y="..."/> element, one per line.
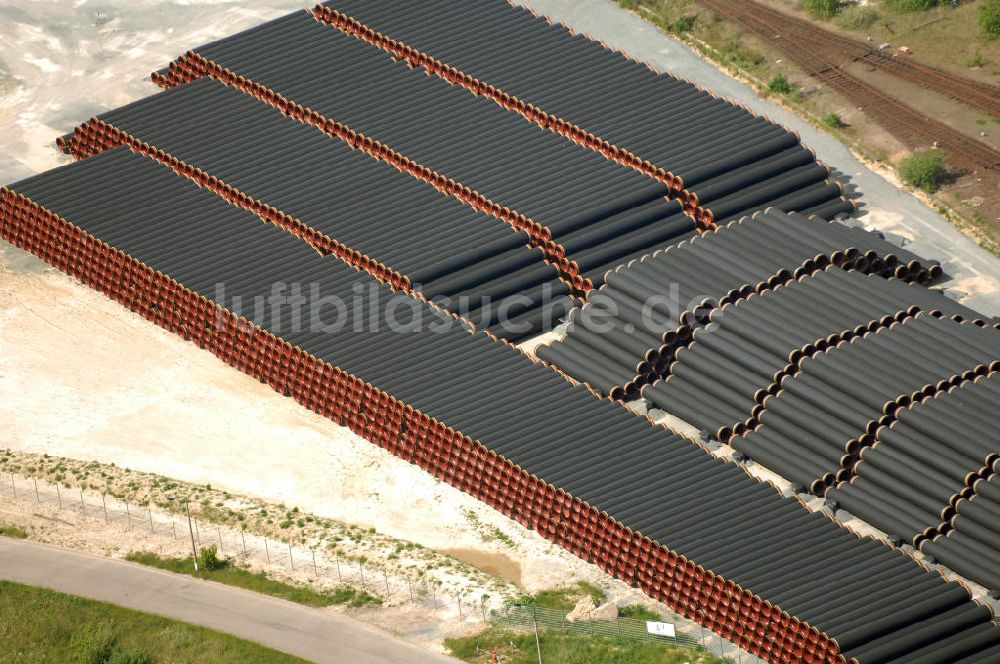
<point x="857" y="17"/>
<point x="911" y="5"/>
<point x="975" y="61"/>
<point x="989" y="18"/>
<point x="683" y="24"/>
<point x="925" y="170"/>
<point x="779" y="84"/>
<point x="824" y="9"/>
<point x="208" y="558"/>
<point x="833" y="121"/>
<point x="14" y="531"/>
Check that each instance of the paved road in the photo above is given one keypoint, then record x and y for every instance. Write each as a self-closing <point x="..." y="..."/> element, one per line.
<point x="314" y="635"/>
<point x="888" y="208"/>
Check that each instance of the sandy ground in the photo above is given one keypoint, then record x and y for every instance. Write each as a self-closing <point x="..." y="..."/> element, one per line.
<point x="82" y="377"/>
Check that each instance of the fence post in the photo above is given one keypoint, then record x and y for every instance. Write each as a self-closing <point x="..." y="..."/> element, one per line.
<point x="128" y="515"/>
<point x="219" y="528"/>
<point x="410" y="587"/>
<point x="104" y="504"/>
<point x="386" y="574"/>
<point x="83" y="508"/>
<point x="13" y="490"/>
<point x="267" y="553"/>
<point x="244" y="540"/>
<point x="291" y="560"/>
<point x="538" y="643"/>
<point x="173" y="526"/>
<point x="460" y="606"/>
<point x="340" y="577"/>
<point x="150" y="508"/>
<point x="58" y="495"/>
<point x="194" y="549"/>
<point x="315" y="571"/>
<point x="37" y="499"/>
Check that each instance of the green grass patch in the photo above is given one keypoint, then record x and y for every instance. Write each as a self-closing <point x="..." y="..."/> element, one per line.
<point x="16" y="532"/>
<point x="259" y="582"/>
<point x="563" y="599"/>
<point x="911" y="5"/>
<point x="516" y="647"/>
<point x="822" y="9"/>
<point x="41" y="625"/>
<point x="639" y="612"/>
<point x="989" y="18"/>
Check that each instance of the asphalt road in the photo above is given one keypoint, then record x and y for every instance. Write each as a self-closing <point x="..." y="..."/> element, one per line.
<point x="315" y="635"/>
<point x="975" y="271"/>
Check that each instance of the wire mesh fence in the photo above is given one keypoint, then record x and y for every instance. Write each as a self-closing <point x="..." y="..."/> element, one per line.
<point x="251" y="549"/>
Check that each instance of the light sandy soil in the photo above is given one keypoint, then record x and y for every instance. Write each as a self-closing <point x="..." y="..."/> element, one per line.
<point x="84" y="378"/>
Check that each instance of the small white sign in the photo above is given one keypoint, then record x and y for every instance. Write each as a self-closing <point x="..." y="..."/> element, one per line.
<point x="660" y="628"/>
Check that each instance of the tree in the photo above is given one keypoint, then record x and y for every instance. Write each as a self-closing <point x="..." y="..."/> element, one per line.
<point x="989" y="18"/>
<point x="925" y="170"/>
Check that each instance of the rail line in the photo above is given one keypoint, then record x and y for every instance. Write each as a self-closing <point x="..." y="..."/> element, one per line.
<point x="909" y="125"/>
<point x="982" y="96"/>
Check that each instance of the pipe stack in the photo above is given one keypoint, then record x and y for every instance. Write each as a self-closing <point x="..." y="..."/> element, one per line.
<point x="652" y="509"/>
<point x="812" y="425"/>
<point x="432" y="244"/>
<point x="720" y="160"/>
<point x="586" y="208"/>
<point x="629" y="330"/>
<point x="929" y="479"/>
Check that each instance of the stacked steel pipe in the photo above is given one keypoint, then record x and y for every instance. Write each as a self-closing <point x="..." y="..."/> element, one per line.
<point x="812" y="424"/>
<point x="929" y="479"/>
<point x="293" y="175"/>
<point x="750" y="347"/>
<point x="969" y="541"/>
<point x="577" y="204"/>
<point x="718" y="158"/>
<point x="652" y="509"/>
<point x="627" y="333"/>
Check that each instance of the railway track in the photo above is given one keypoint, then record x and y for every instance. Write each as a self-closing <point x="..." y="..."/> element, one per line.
<point x="909" y="125"/>
<point x="979" y="95"/>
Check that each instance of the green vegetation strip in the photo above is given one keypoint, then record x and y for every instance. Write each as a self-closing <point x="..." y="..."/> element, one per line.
<point x="518" y="647"/>
<point x="222" y="571"/>
<point x="13" y="531"/>
<point x="42" y="625"/>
